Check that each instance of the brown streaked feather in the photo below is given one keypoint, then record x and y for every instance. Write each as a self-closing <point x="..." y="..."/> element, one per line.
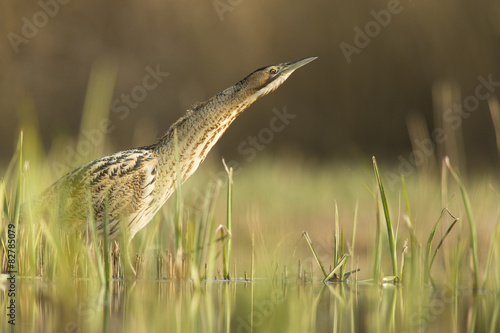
<point x="124" y="180"/>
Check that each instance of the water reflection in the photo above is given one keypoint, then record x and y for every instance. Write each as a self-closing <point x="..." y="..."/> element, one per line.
<point x="84" y="305"/>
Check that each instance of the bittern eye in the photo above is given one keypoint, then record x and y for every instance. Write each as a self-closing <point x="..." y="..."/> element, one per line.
<point x="273" y="71"/>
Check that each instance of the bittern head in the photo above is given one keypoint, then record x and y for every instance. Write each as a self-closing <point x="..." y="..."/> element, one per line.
<point x="266" y="79"/>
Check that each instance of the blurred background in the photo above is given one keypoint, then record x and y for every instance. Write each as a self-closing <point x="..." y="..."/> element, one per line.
<point x="407" y="81"/>
<point x="384" y="67"/>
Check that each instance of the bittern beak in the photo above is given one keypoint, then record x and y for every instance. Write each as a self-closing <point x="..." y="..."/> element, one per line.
<point x="291" y="66"/>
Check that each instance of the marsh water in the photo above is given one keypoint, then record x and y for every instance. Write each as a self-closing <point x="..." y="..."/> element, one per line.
<point x="82" y="305"/>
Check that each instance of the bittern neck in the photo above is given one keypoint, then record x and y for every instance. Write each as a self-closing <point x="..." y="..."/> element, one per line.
<point x="199" y="130"/>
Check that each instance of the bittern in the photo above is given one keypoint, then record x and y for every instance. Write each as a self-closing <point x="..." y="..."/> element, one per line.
<point x="130" y="186"/>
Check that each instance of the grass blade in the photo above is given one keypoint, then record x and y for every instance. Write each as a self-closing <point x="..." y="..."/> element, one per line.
<point x="336" y="236"/>
<point x="17" y="202"/>
<point x="337" y="267"/>
<point x="178" y="203"/>
<point x="105" y="249"/>
<point x="442" y="239"/>
<point x="95" y="242"/>
<point x="308" y="240"/>
<point x="414" y="244"/>
<point x="390" y="232"/>
<point x="495" y="117"/>
<point x="493" y="245"/>
<point x="407" y="201"/>
<point x="428" y="261"/>
<point x="470" y="220"/>
<point x="354" y="226"/>
<point x="5" y="201"/>
<point x="378" y="248"/>
<point x="226" y="253"/>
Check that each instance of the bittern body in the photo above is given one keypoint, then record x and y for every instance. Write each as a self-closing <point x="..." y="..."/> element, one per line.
<point x="130" y="186"/>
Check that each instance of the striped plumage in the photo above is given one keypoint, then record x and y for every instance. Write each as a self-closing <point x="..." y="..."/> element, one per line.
<point x="136" y="183"/>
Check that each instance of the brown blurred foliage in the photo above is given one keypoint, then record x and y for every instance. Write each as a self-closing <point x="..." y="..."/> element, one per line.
<point x="344" y="109"/>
